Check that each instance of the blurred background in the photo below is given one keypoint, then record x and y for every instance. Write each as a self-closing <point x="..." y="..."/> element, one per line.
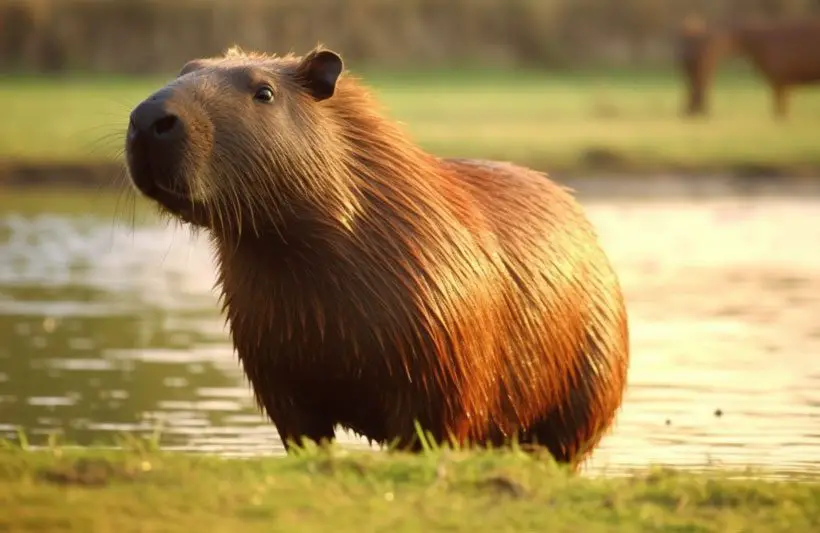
<point x="109" y="322"/>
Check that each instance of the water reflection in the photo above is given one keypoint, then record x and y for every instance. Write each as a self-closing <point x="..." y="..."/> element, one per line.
<point x="112" y="327"/>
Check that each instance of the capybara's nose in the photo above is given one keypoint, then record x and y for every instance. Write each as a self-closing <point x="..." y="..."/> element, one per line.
<point x="152" y="120"/>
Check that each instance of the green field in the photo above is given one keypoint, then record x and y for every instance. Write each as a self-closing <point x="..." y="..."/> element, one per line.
<point x="137" y="488"/>
<point x="617" y="120"/>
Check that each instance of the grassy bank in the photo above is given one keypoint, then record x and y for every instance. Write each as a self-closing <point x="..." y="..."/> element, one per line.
<point x="615" y="121"/>
<point x="137" y="489"/>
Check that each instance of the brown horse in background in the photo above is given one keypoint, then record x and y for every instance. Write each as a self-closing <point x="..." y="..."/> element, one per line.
<point x="786" y="54"/>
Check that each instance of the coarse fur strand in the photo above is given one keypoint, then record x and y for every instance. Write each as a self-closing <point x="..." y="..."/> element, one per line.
<point x="369" y="284"/>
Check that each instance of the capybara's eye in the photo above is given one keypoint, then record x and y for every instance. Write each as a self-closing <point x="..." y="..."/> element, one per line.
<point x="263" y="94"/>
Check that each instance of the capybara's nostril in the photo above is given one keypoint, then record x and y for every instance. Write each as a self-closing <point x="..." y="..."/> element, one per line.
<point x="165" y="126"/>
<point x="132" y="128"/>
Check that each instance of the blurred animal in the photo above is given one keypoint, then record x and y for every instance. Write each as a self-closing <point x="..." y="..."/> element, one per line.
<point x="785" y="53"/>
<point x="372" y="285"/>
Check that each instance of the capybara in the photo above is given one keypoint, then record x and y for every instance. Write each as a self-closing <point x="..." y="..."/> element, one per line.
<point x="785" y="53"/>
<point x="371" y="285"/>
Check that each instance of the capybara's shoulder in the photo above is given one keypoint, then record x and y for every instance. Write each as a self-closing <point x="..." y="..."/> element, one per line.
<point x="517" y="199"/>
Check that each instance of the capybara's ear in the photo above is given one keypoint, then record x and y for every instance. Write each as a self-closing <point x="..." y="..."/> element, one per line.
<point x="192" y="65"/>
<point x="319" y="71"/>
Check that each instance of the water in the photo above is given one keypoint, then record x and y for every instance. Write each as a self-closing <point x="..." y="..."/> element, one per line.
<point x="110" y="325"/>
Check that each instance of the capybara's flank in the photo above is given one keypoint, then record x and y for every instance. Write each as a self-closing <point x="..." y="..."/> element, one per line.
<point x="372" y="285"/>
<point x="785" y="54"/>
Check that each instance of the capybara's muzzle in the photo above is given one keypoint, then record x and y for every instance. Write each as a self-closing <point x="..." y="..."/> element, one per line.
<point x="155" y="145"/>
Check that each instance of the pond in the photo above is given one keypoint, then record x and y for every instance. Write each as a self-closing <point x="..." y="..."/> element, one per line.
<point x="110" y="324"/>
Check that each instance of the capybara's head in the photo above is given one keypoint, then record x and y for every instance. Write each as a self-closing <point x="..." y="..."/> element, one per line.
<point x="240" y="141"/>
<point x="699" y="50"/>
<point x="693" y="45"/>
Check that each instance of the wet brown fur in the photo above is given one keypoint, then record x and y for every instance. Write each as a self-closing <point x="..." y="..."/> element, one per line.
<point x="372" y="285"/>
<point x="785" y="53"/>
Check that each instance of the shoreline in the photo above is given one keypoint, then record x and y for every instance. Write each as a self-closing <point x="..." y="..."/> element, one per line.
<point x="139" y="486"/>
<point x="596" y="180"/>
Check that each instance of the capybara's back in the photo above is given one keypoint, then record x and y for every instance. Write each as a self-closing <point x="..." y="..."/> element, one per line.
<point x="371" y="285"/>
<point x="555" y="345"/>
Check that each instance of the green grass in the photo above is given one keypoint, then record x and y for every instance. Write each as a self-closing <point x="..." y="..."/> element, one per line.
<point x="556" y="121"/>
<point x="138" y="488"/>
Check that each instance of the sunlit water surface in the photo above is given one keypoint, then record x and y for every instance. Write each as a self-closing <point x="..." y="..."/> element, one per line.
<point x="110" y="327"/>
